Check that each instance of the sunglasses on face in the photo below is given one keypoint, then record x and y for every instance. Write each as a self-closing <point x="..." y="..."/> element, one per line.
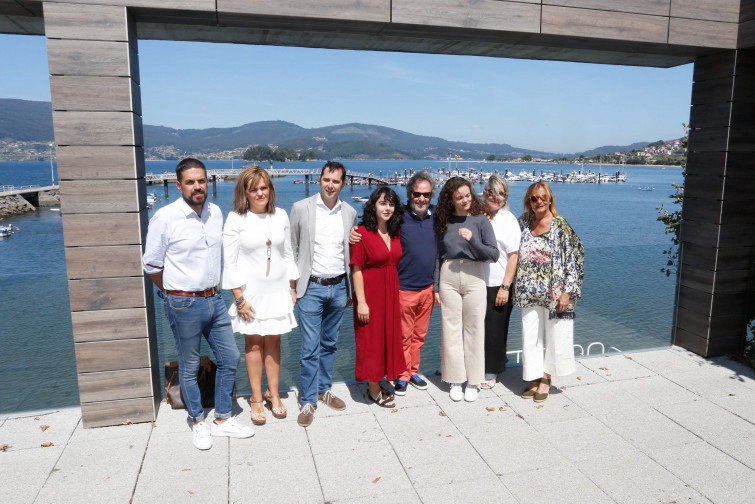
<point x="427" y="195"/>
<point x="539" y="197"/>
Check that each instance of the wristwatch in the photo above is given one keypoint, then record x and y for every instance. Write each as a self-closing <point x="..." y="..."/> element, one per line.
<point x="506" y="287"/>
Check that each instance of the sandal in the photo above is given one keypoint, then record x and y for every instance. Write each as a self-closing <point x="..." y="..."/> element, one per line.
<point x="386" y="393"/>
<point x="258" y="417"/>
<point x="382" y="400"/>
<point x="279" y="412"/>
<point x="530" y="393"/>
<point x="488" y="384"/>
<point x="538" y="397"/>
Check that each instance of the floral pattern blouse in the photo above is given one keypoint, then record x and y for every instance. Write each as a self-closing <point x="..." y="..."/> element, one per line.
<point x="549" y="265"/>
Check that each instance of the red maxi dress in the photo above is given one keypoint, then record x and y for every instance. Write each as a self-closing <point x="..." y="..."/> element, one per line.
<point x="379" y="343"/>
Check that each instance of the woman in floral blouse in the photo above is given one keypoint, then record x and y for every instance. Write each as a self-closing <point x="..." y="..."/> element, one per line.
<point x="548" y="285"/>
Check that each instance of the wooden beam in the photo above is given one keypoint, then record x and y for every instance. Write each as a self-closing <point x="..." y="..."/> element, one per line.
<point x="114" y="385"/>
<point x="104" y="261"/>
<point x="353" y="10"/>
<point x="102" y="196"/>
<point x="104" y="325"/>
<point x="712" y="10"/>
<point x="112" y="355"/>
<point x="94" y="58"/>
<point x="108" y="293"/>
<point x="87" y="22"/>
<point x="653" y="7"/>
<point x="101" y="94"/>
<point x="100" y="162"/>
<point x="82" y="230"/>
<point x="478" y="14"/>
<point x="104" y="413"/>
<point x="693" y="32"/>
<point x="604" y="24"/>
<point x="97" y="128"/>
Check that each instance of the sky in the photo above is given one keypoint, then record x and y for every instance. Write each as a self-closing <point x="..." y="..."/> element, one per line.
<point x="549" y="106"/>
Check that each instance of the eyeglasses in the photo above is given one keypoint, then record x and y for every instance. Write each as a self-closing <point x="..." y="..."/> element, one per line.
<point x="539" y="197"/>
<point x="495" y="196"/>
<point x="427" y="195"/>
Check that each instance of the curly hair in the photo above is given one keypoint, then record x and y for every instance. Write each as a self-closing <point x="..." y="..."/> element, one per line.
<point x="369" y="217"/>
<point x="445" y="207"/>
<point x="528" y="213"/>
<point x="250" y="177"/>
<point x="426" y="175"/>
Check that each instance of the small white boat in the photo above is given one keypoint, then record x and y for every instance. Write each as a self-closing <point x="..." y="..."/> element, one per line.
<point x="360" y="199"/>
<point x="152" y="198"/>
<point x="7" y="231"/>
<point x="645" y="188"/>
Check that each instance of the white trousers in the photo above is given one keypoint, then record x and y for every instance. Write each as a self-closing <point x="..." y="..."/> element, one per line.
<point x="537" y="329"/>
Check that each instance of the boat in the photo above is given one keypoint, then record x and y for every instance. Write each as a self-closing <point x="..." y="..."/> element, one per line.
<point x="152" y="198"/>
<point x="645" y="188"/>
<point x="360" y="199"/>
<point x="7" y="231"/>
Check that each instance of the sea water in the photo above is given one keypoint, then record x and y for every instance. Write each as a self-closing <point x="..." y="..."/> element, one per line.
<point x="627" y="302"/>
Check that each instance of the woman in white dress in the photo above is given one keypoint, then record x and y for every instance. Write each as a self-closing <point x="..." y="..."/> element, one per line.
<point x="259" y="269"/>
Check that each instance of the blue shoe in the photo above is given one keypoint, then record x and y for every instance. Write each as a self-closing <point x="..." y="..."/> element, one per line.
<point x="399" y="387"/>
<point x="418" y="382"/>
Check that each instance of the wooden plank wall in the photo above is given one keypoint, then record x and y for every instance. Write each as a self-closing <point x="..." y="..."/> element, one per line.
<point x="718" y="226"/>
<point x="94" y="83"/>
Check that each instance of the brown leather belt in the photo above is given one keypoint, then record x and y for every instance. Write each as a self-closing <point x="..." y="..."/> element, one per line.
<point x="207" y="293"/>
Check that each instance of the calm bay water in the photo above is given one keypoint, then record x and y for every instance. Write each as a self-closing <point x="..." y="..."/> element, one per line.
<point x="627" y="303"/>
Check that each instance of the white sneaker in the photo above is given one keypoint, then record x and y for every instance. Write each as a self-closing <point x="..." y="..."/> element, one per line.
<point x="232" y="428"/>
<point x="470" y="393"/>
<point x="455" y="394"/>
<point x="202" y="439"/>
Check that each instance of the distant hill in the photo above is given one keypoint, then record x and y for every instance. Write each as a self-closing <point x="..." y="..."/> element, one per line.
<point x="32" y="121"/>
<point x="610" y="149"/>
<point x="27" y="121"/>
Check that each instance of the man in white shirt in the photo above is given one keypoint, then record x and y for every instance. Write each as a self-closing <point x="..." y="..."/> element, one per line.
<point x="319" y="238"/>
<point x="182" y="257"/>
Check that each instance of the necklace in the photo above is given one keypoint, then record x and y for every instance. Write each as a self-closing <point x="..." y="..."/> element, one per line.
<point x="268" y="243"/>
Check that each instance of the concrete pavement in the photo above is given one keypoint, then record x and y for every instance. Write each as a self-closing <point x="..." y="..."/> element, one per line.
<point x="659" y="426"/>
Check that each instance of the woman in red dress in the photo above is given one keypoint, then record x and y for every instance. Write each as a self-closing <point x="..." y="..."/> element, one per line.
<point x="377" y="321"/>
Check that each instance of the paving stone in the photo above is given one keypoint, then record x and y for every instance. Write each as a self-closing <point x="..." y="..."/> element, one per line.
<point x="24" y="472"/>
<point x="353" y="395"/>
<point x="405" y="497"/>
<point x="604" y="398"/>
<point x="670" y="362"/>
<point x="648" y="430"/>
<point x="717" y="426"/>
<point x="487" y="488"/>
<point x="261" y="476"/>
<point x="657" y="391"/>
<point x="583" y="439"/>
<point x="174" y="471"/>
<point x="104" y="470"/>
<point x="724" y="391"/>
<point x="616" y="367"/>
<point x="360" y="473"/>
<point x="412" y="424"/>
<point x="483" y="415"/>
<point x="735" y="370"/>
<point x="556" y="408"/>
<point x="515" y="447"/>
<point x="563" y="484"/>
<point x="633" y="477"/>
<point x="26" y="432"/>
<point x="355" y="432"/>
<point x="710" y="472"/>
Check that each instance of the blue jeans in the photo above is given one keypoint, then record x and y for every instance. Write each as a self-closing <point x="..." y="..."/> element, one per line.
<point x="191" y="318"/>
<point x="320" y="315"/>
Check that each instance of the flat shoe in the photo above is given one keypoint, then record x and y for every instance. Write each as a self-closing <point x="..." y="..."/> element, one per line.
<point x="538" y="397"/>
<point x="528" y="394"/>
<point x="382" y="400"/>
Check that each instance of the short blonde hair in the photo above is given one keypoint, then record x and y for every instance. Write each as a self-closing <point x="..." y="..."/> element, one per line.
<point x="538" y="185"/>
<point x="249" y="178"/>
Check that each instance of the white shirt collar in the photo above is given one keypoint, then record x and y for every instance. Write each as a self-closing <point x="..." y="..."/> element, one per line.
<point x="335" y="208"/>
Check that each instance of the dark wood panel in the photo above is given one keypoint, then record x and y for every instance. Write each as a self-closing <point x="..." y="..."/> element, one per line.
<point x="604" y="24"/>
<point x="714" y="66"/>
<point x="742" y="139"/>
<point x="104" y="261"/>
<point x="713" y="10"/>
<point x="713" y="91"/>
<point x="97" y="128"/>
<point x="100" y="162"/>
<point x="740" y="164"/>
<point x="111" y="355"/>
<point x="721" y="305"/>
<point x="693" y="322"/>
<point x="691" y="342"/>
<point x="715" y="258"/>
<point x="742" y="113"/>
<point x="82" y="230"/>
<point x="102" y="196"/>
<point x="114" y="385"/>
<point x="479" y="14"/>
<point x="723" y="281"/>
<point x="356" y="10"/>
<point x="744" y="89"/>
<point x="712" y="115"/>
<point x="86" y="22"/>
<point x="95" y="58"/>
<point x="703" y="33"/>
<point x="746" y="10"/>
<point x="733" y="211"/>
<point x="107" y="293"/>
<point x="655" y="7"/>
<point x="706" y="163"/>
<point x="709" y="139"/>
<point x="746" y="38"/>
<point x="103" y="325"/>
<point x="695" y="300"/>
<point x="101" y="414"/>
<point x="700" y="233"/>
<point x="201" y="5"/>
<point x="710" y="188"/>
<point x="103" y="94"/>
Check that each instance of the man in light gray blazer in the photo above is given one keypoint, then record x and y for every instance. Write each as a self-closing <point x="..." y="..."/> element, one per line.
<point x="320" y="239"/>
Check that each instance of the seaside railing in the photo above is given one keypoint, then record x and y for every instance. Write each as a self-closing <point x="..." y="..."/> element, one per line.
<point x="582" y="352"/>
<point x="11" y="188"/>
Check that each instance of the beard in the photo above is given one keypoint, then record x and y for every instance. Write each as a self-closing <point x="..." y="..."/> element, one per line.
<point x="197" y="198"/>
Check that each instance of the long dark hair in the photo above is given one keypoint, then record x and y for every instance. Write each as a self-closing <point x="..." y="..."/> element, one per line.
<point x="445" y="208"/>
<point x="369" y="217"/>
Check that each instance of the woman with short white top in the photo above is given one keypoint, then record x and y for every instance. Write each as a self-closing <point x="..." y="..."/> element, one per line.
<point x="499" y="277"/>
<point x="261" y="273"/>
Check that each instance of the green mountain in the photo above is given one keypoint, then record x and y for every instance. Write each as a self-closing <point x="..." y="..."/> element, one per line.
<point x="32" y="121"/>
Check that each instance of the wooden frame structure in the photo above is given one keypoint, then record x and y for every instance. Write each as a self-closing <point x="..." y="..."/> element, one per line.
<point x="94" y="80"/>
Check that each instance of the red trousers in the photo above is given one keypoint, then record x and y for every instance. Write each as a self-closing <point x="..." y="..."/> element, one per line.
<point x="416" y="308"/>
